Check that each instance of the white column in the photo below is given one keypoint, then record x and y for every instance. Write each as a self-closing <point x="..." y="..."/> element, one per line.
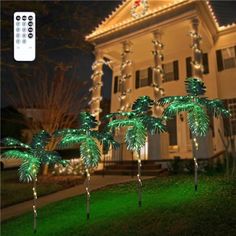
<point x="97" y="85"/>
<point x="157" y="144"/>
<point x="205" y="144"/>
<point x="126" y="74"/>
<point x="158" y="72"/>
<point x="197" y="66"/>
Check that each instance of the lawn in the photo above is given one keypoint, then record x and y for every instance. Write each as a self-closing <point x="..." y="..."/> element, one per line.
<point x="170" y="207"/>
<point x="10" y="185"/>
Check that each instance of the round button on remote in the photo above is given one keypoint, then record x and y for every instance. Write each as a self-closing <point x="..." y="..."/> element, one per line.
<point x="23" y="23"/>
<point x="17" y="35"/>
<point x="17" y="23"/>
<point x="30" y="23"/>
<point x="23" y="35"/>
<point x="23" y="29"/>
<point x="17" y="29"/>
<point x="18" y="18"/>
<point x="30" y="17"/>
<point x="17" y="41"/>
<point x="30" y="35"/>
<point x="30" y="29"/>
<point x="23" y="17"/>
<point x="24" y="41"/>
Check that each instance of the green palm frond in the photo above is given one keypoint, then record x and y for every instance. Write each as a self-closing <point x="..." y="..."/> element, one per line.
<point x="29" y="169"/>
<point x="71" y="140"/>
<point x="169" y="99"/>
<point x="24" y="155"/>
<point x="215" y="106"/>
<point x="63" y="132"/>
<point x="153" y="124"/>
<point x="195" y="87"/>
<point x="14" y="142"/>
<point x="108" y="141"/>
<point x="118" y="114"/>
<point x="87" y="121"/>
<point x="142" y="104"/>
<point x="90" y="152"/>
<point x="198" y="121"/>
<point x="178" y="106"/>
<point x="121" y="123"/>
<point x="136" y="137"/>
<point x="48" y="157"/>
<point x="40" y="140"/>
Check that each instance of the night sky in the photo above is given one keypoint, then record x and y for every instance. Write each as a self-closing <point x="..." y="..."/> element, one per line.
<point x="61" y="23"/>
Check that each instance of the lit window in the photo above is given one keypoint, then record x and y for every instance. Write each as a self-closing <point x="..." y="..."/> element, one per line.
<point x="171" y="71"/>
<point x="228" y="55"/>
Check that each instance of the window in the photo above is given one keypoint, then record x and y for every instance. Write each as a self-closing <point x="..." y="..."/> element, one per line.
<point x="172" y="130"/>
<point x="230" y="123"/>
<point x="226" y="58"/>
<point x="117" y="87"/>
<point x="143" y="78"/>
<point x="205" y="64"/>
<point x="171" y="71"/>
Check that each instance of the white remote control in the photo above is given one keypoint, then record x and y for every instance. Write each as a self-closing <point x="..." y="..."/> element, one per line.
<point x="24" y="36"/>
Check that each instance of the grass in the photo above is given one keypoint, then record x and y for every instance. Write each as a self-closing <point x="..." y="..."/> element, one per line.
<point x="170" y="207"/>
<point x="10" y="185"/>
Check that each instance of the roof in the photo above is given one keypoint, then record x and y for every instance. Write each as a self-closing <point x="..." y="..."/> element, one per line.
<point x="121" y="17"/>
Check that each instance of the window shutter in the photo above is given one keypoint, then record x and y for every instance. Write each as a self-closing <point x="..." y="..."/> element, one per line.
<point x="137" y="79"/>
<point x="115" y="84"/>
<point x="150" y="76"/>
<point x="188" y="67"/>
<point x="205" y="63"/>
<point x="219" y="60"/>
<point x="176" y="70"/>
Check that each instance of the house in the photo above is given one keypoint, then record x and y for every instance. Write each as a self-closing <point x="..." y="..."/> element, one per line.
<point x="152" y="46"/>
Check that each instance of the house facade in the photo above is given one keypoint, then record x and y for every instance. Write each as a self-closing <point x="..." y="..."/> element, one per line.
<point x="150" y="48"/>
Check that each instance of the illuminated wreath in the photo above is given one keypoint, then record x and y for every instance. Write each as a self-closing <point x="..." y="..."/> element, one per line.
<point x="136" y="10"/>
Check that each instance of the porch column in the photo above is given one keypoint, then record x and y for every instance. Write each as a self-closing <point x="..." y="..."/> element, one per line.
<point x="97" y="84"/>
<point x="204" y="144"/>
<point x="157" y="144"/>
<point x="126" y="74"/>
<point x="197" y="66"/>
<point x="158" y="72"/>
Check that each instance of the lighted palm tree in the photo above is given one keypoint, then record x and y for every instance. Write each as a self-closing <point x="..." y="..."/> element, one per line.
<point x="33" y="156"/>
<point x="87" y="137"/>
<point x="138" y="123"/>
<point x="197" y="108"/>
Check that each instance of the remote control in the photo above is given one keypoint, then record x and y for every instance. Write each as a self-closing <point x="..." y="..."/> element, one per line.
<point x="24" y="36"/>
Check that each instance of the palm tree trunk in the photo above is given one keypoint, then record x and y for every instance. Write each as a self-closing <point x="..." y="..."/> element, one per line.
<point x="87" y="194"/>
<point x="195" y="148"/>
<point x="34" y="204"/>
<point x="139" y="181"/>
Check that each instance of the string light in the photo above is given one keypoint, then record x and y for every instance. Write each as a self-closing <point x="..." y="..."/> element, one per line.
<point x="87" y="193"/>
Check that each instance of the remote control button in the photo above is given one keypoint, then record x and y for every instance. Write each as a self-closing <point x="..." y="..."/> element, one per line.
<point x="23" y="35"/>
<point x="24" y="41"/>
<point x="23" y="17"/>
<point x="30" y="29"/>
<point x="18" y="18"/>
<point x="23" y="29"/>
<point x="17" y="35"/>
<point x="30" y="23"/>
<point x="17" y="41"/>
<point x="30" y="35"/>
<point x="30" y="17"/>
<point x="17" y="29"/>
<point x="17" y="23"/>
<point x="23" y="23"/>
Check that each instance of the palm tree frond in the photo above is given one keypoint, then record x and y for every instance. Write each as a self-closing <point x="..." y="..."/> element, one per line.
<point x="198" y="121"/>
<point x="169" y="99"/>
<point x="29" y="169"/>
<point x="40" y="140"/>
<point x="63" y="132"/>
<point x="121" y="123"/>
<point x="14" y="142"/>
<point x="153" y="124"/>
<point x="87" y="121"/>
<point x="142" y="104"/>
<point x="195" y="87"/>
<point x="136" y="136"/>
<point x="17" y="154"/>
<point x="71" y="140"/>
<point x="90" y="152"/>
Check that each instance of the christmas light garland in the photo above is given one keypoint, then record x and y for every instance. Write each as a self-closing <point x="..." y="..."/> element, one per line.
<point x="135" y="9"/>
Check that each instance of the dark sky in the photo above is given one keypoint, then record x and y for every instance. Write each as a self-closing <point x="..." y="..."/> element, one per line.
<point x="69" y="22"/>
